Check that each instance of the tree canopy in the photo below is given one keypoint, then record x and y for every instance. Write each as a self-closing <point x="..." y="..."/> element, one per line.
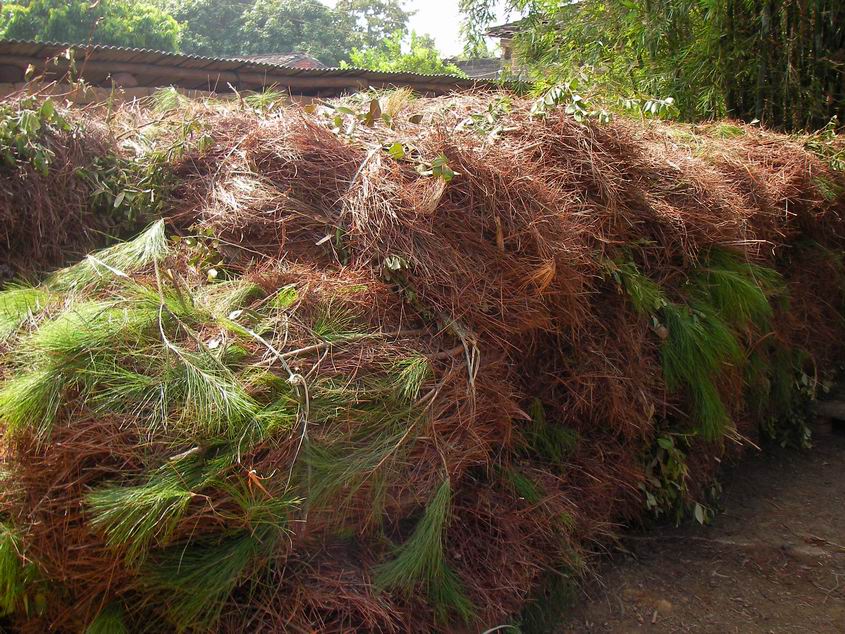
<point x="375" y="21"/>
<point x="114" y="22"/>
<point x="421" y="57"/>
<point x="209" y="27"/>
<point x="306" y="26"/>
<point x="371" y="31"/>
<point x="249" y="27"/>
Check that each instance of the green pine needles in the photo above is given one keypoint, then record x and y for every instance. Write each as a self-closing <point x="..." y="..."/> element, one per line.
<point x="109" y="621"/>
<point x="723" y="301"/>
<point x="780" y="394"/>
<point x="31" y="401"/>
<point x="90" y="327"/>
<point x="215" y="402"/>
<point x="336" y="322"/>
<point x="121" y="260"/>
<point x="17" y="305"/>
<point x="697" y="347"/>
<point x="421" y="562"/>
<point x="189" y="371"/>
<point x="411" y="374"/>
<point x="388" y="421"/>
<point x="644" y="294"/>
<point x="56" y="352"/>
<point x="551" y="442"/>
<point x="11" y="569"/>
<point x="223" y="298"/>
<point x="197" y="578"/>
<point x="523" y="486"/>
<point x="739" y="292"/>
<point x="139" y="515"/>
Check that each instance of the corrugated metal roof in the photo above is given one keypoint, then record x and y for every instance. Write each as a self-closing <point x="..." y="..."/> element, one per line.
<point x="118" y="55"/>
<point x="293" y="60"/>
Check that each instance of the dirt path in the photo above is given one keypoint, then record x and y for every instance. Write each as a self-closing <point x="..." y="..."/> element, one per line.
<point x="772" y="562"/>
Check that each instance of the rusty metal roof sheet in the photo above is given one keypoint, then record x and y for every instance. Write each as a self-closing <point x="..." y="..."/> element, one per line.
<point x="274" y="72"/>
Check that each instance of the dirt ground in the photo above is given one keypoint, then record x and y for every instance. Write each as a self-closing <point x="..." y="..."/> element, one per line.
<point x="772" y="562"/>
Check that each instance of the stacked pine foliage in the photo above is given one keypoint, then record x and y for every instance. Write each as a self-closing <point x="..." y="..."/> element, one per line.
<point x="384" y="372"/>
<point x="67" y="185"/>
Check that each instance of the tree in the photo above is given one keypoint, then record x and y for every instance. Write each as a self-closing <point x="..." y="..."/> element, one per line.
<point x="209" y="27"/>
<point x="250" y="27"/>
<point x="114" y="22"/>
<point x="422" y="57"/>
<point x="778" y="61"/>
<point x="375" y="21"/>
<point x="306" y="26"/>
<point x="478" y="16"/>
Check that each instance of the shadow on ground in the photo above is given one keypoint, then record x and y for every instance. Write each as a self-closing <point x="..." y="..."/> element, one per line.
<point x="772" y="562"/>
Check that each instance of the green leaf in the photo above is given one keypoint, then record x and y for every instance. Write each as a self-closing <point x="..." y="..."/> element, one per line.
<point x="397" y="151"/>
<point x="48" y="109"/>
<point x="286" y="297"/>
<point x="395" y="263"/>
<point x="30" y="123"/>
<point x="666" y="442"/>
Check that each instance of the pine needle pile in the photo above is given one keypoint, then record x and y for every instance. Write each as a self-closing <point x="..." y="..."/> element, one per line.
<point x="70" y="183"/>
<point x="392" y="364"/>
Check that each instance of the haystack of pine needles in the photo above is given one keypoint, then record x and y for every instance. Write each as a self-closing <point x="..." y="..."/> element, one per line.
<point x="388" y="363"/>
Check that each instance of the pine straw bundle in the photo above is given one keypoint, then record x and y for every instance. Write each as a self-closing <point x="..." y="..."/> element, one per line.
<point x="440" y="357"/>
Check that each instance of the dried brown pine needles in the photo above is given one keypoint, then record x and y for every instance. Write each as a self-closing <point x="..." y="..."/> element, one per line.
<point x="389" y="375"/>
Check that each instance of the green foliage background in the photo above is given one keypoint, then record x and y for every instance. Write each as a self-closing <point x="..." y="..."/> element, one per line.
<point x="367" y="34"/>
<point x="421" y="57"/>
<point x="113" y="22"/>
<point x="777" y="61"/>
<point x="250" y="27"/>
